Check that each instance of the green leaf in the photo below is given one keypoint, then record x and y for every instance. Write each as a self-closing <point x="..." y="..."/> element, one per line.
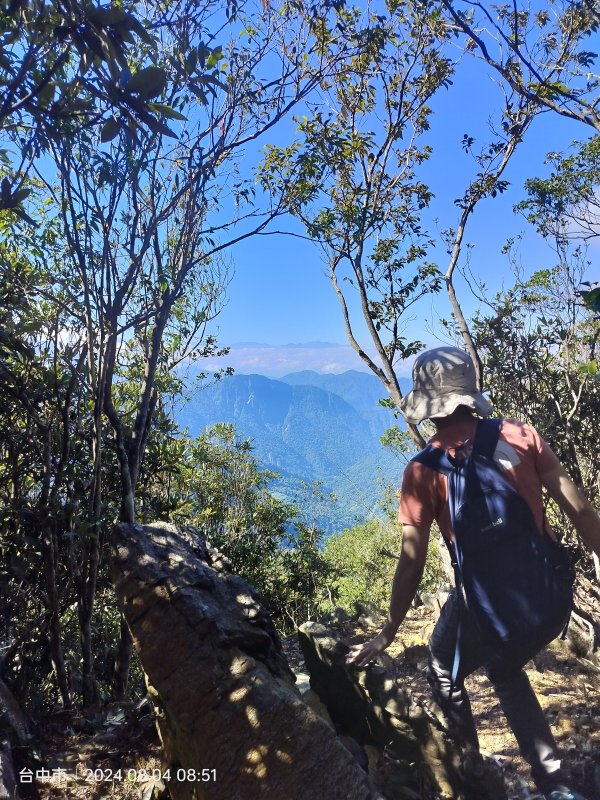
<point x="19" y="196"/>
<point x="136" y="26"/>
<point x="191" y="61"/>
<point x="5" y="190"/>
<point x="104" y="175"/>
<point x="110" y="129"/>
<point x="215" y="56"/>
<point x="107" y="17"/>
<point x="591" y="368"/>
<point x="157" y="126"/>
<point x="199" y="92"/>
<point x="95" y="43"/>
<point x="211" y="79"/>
<point x="147" y="83"/>
<point x="46" y="94"/>
<point x="166" y="111"/>
<point x="591" y="299"/>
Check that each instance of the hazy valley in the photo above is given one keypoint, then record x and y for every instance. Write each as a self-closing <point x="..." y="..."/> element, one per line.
<point x="309" y="428"/>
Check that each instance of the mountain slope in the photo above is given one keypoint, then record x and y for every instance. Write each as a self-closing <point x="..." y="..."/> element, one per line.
<point x="306" y="434"/>
<point x="362" y="390"/>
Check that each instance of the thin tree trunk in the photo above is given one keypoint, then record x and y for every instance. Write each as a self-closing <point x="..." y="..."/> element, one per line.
<point x="478" y="193"/>
<point x="465" y="333"/>
<point x="88" y="586"/>
<point x="56" y="649"/>
<point x="48" y="541"/>
<point x="388" y="378"/>
<point x="91" y="563"/>
<point x="123" y="661"/>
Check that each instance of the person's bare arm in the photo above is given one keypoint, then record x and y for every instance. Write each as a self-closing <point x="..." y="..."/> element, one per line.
<point x="404" y="587"/>
<point x="579" y="510"/>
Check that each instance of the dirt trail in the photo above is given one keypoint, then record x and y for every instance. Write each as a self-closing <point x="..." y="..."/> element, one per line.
<point x="568" y="689"/>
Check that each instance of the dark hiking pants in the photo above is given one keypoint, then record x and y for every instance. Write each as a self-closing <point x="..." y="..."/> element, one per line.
<point x="504" y="667"/>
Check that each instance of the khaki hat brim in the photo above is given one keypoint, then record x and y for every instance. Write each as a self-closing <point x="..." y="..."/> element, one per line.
<point x="417" y="405"/>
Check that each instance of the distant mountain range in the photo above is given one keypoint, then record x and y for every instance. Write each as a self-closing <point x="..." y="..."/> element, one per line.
<point x="309" y="427"/>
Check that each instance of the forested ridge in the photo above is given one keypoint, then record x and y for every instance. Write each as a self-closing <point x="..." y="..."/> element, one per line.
<point x="140" y="144"/>
<point x="309" y="435"/>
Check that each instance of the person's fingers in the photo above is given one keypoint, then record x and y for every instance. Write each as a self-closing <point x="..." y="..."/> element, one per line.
<point x="353" y="658"/>
<point x="361" y="655"/>
<point x="355" y="655"/>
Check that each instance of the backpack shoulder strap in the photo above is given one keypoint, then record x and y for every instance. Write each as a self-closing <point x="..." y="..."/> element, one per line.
<point x="434" y="458"/>
<point x="486" y="437"/>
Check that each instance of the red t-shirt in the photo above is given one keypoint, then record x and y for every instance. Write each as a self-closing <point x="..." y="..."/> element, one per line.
<point x="521" y="453"/>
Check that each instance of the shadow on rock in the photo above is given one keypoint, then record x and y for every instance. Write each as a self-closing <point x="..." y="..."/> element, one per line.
<point x="231" y="721"/>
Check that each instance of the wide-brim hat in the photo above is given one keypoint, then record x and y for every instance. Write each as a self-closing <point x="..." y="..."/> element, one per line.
<point x="443" y="379"/>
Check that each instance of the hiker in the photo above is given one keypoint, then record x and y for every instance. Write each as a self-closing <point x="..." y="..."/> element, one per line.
<point x="445" y="391"/>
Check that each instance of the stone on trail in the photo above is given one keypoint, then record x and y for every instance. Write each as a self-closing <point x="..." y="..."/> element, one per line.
<point x="370" y="706"/>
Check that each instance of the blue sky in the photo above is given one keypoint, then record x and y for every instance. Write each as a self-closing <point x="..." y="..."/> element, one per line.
<point x="280" y="293"/>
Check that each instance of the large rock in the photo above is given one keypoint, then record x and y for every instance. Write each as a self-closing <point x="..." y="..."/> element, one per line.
<point x="370" y="706"/>
<point x="15" y="731"/>
<point x="224" y="695"/>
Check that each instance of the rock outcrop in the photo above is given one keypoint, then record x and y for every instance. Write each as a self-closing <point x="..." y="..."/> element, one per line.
<point x="15" y="731"/>
<point x="583" y="632"/>
<point x="231" y="721"/>
<point x="381" y="715"/>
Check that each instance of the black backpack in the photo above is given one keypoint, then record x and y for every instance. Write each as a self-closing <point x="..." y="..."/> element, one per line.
<point x="514" y="579"/>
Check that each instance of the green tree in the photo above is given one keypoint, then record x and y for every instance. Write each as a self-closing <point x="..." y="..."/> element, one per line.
<point x="144" y="220"/>
<point x="540" y="53"/>
<point x="221" y="490"/>
<point x="139" y="216"/>
<point x="353" y="179"/>
<point x="539" y="347"/>
<point x="565" y="205"/>
<point x="42" y="379"/>
<point x="362" y="561"/>
<point x="68" y="66"/>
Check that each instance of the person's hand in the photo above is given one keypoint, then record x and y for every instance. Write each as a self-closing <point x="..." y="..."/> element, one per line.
<point x="362" y="654"/>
